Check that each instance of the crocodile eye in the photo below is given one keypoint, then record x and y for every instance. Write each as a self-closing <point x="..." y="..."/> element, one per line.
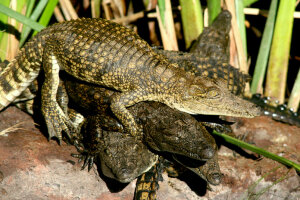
<point x="213" y="93"/>
<point x="196" y="90"/>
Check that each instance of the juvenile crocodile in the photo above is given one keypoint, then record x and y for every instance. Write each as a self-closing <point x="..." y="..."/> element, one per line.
<point x="164" y="130"/>
<point x="108" y="54"/>
<point x="191" y="62"/>
<point x="169" y="130"/>
<point x="123" y="158"/>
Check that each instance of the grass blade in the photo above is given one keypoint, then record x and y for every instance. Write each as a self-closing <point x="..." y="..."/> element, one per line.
<point x="47" y="14"/>
<point x="257" y="150"/>
<point x="3" y="35"/>
<point x="95" y="8"/>
<point x="21" y="18"/>
<point x="162" y="8"/>
<point x="35" y="15"/>
<point x="240" y="18"/>
<point x="30" y="5"/>
<point x="249" y="2"/>
<point x="166" y="27"/>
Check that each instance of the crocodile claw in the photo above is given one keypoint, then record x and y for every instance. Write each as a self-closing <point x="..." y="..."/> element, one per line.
<point x="88" y="160"/>
<point x="57" y="122"/>
<point x="83" y="155"/>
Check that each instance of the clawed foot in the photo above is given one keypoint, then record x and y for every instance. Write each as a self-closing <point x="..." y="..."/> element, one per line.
<point x="57" y="121"/>
<point x="83" y="155"/>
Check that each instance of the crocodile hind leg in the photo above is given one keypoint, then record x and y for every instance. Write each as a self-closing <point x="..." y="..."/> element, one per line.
<point x="56" y="120"/>
<point x="75" y="117"/>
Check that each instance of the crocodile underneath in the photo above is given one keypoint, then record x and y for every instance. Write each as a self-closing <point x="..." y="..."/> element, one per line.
<point x="108" y="54"/>
<point x="164" y="130"/>
<point x="123" y="158"/>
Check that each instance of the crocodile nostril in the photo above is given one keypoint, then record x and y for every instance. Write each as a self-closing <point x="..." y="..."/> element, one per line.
<point x="215" y="178"/>
<point x="207" y="152"/>
<point x="257" y="111"/>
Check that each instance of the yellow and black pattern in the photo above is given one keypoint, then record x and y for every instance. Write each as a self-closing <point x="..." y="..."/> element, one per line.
<point x="147" y="184"/>
<point x="105" y="53"/>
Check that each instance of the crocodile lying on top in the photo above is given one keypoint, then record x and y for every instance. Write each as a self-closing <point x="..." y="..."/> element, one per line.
<point x="105" y="53"/>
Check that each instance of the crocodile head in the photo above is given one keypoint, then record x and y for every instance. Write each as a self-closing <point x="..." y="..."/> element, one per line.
<point x="178" y="133"/>
<point x="121" y="156"/>
<point x="211" y="97"/>
<point x="209" y="170"/>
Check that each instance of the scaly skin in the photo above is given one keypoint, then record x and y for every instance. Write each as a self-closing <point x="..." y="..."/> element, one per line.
<point x="169" y="129"/>
<point x="209" y="67"/>
<point x="123" y="158"/>
<point x="148" y="183"/>
<point x="191" y="62"/>
<point x="108" y="54"/>
<point x="164" y="130"/>
<point x="214" y="40"/>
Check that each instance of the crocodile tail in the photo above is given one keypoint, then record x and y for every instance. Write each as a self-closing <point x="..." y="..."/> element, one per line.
<point x="19" y="74"/>
<point x="147" y="184"/>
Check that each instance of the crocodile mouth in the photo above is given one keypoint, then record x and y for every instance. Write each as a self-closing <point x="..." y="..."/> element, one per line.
<point x="244" y="109"/>
<point x="188" y="162"/>
<point x="204" y="154"/>
<point x="212" y="176"/>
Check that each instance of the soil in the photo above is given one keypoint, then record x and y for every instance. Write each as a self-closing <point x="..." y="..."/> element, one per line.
<point x="31" y="167"/>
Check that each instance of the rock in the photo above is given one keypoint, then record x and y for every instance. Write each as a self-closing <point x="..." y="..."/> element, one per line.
<point x="34" y="168"/>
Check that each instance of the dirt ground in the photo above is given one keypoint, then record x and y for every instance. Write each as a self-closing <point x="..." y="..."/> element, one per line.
<point x="31" y="167"/>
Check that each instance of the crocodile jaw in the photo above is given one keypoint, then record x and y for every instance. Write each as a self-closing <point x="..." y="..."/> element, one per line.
<point x="233" y="106"/>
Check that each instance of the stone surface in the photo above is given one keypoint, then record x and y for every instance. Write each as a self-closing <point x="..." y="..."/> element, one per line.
<point x="31" y="167"/>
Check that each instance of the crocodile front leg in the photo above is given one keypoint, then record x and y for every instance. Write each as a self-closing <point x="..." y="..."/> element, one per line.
<point x="119" y="102"/>
<point x="56" y="120"/>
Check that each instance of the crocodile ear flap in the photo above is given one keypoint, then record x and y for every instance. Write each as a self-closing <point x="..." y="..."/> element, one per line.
<point x="196" y="90"/>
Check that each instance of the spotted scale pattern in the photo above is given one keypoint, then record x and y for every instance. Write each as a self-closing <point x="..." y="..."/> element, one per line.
<point x="105" y="53"/>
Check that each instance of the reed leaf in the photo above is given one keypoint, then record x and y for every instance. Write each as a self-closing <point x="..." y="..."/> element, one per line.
<point x="21" y="18"/>
<point x="214" y="8"/>
<point x="95" y="8"/>
<point x="248" y="2"/>
<point x="240" y="18"/>
<point x="264" y="50"/>
<point x="3" y="35"/>
<point x="280" y="49"/>
<point x="294" y="99"/>
<point x="192" y="20"/>
<point x="35" y="15"/>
